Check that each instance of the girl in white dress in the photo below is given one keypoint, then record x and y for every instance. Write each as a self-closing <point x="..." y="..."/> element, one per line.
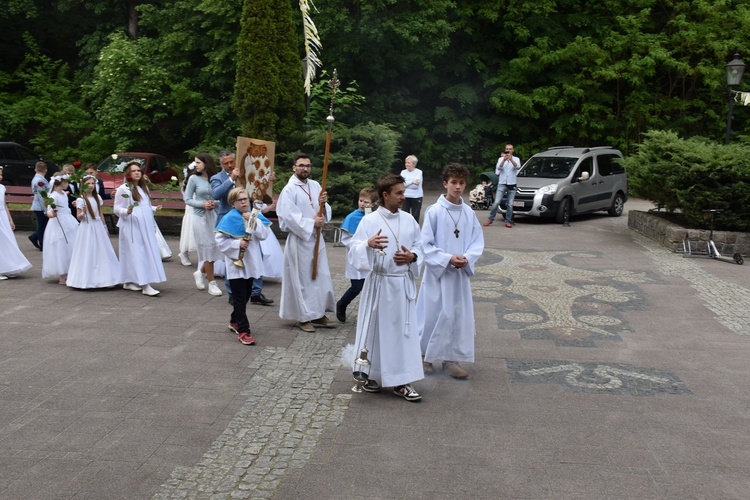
<point x="198" y="196"/>
<point x="60" y="233"/>
<point x="12" y="262"/>
<point x="140" y="259"/>
<point x="93" y="263"/>
<point x="187" y="240"/>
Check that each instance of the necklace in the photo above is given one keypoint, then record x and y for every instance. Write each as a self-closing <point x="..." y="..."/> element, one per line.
<point x="455" y="222"/>
<point x="308" y="192"/>
<point x="398" y="229"/>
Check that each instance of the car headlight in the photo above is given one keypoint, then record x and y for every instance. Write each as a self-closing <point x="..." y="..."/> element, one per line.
<point x="549" y="189"/>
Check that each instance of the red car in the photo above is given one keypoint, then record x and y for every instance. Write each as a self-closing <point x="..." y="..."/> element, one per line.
<point x="155" y="167"/>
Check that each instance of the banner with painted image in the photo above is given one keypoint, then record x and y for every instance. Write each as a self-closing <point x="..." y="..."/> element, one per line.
<point x="256" y="162"/>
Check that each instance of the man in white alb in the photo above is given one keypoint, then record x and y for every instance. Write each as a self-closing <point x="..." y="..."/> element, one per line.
<point x="303" y="299"/>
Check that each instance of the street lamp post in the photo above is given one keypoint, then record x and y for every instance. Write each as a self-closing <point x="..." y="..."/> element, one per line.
<point x="735" y="69"/>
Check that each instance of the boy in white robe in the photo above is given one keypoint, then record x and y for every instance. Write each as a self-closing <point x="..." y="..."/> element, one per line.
<point x="367" y="198"/>
<point x="453" y="242"/>
<point x="303" y="299"/>
<point x="388" y="246"/>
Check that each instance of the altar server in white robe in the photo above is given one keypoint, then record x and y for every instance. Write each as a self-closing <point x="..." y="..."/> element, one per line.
<point x="453" y="242"/>
<point x="140" y="259"/>
<point x="388" y="245"/>
<point x="303" y="299"/>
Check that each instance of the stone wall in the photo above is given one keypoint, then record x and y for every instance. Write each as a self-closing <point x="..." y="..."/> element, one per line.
<point x="671" y="235"/>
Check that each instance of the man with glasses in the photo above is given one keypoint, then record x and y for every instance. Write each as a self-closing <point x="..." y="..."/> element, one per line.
<point x="221" y="184"/>
<point x="303" y="299"/>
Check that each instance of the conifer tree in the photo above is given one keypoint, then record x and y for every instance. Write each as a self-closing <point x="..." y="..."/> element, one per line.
<point x="268" y="94"/>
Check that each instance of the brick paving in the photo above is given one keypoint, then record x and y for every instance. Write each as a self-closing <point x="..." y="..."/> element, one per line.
<point x="606" y="367"/>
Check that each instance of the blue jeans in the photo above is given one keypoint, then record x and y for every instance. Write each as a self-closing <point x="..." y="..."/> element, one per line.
<point x="257" y="287"/>
<point x="502" y="189"/>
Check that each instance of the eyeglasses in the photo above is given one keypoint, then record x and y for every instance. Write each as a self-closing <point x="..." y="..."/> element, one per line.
<point x="304" y="165"/>
<point x="242" y="200"/>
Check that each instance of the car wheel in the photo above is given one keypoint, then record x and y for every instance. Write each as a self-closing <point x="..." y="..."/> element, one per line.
<point x="563" y="211"/>
<point x="618" y="205"/>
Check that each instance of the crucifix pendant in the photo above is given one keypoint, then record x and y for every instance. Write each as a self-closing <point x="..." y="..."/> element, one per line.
<point x="456" y="232"/>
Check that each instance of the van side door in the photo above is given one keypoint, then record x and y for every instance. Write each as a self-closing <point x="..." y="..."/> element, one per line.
<point x="609" y="178"/>
<point x="585" y="192"/>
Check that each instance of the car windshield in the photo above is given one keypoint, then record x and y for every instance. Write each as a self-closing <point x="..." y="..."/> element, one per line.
<point x="550" y="167"/>
<point x="118" y="164"/>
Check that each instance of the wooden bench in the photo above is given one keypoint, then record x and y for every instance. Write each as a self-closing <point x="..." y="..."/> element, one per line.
<point x="19" y="194"/>
<point x="169" y="200"/>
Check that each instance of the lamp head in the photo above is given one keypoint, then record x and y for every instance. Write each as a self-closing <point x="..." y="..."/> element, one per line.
<point x="735" y="69"/>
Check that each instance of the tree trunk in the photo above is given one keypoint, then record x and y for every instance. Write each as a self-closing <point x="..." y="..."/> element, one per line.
<point x="132" y="20"/>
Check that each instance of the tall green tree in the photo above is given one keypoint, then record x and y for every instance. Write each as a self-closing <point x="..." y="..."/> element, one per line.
<point x="199" y="47"/>
<point x="268" y="92"/>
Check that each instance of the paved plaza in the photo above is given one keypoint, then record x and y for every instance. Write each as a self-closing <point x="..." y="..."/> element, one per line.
<point x="607" y="367"/>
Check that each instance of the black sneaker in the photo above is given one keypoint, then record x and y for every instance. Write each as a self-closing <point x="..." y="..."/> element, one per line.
<point x="407" y="392"/>
<point x="371" y="386"/>
<point x="34" y="241"/>
<point x="340" y="312"/>
<point x="261" y="299"/>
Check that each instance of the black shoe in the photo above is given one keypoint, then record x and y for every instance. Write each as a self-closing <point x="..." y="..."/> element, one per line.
<point x="261" y="299"/>
<point x="231" y="300"/>
<point x="35" y="241"/>
<point x="340" y="312"/>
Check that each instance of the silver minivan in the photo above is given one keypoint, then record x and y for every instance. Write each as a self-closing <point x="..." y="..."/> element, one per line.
<point x="564" y="181"/>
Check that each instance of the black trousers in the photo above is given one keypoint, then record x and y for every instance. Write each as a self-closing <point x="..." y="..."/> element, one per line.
<point x="412" y="206"/>
<point x="41" y="225"/>
<point x="352" y="293"/>
<point x="241" y="290"/>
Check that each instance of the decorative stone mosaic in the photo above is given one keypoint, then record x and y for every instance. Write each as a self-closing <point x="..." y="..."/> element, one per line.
<point x="593" y="377"/>
<point x="559" y="296"/>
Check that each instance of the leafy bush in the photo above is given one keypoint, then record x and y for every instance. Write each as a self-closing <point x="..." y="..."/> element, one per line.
<point x="360" y="154"/>
<point x="692" y="175"/>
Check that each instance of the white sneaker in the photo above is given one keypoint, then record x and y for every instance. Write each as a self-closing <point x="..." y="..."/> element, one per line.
<point x="200" y="281"/>
<point x="131" y="286"/>
<point x="151" y="292"/>
<point x="3" y="277"/>
<point x="213" y="289"/>
<point x="184" y="259"/>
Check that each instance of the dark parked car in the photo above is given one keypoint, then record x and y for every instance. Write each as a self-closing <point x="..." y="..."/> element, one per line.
<point x="18" y="164"/>
<point x="155" y="167"/>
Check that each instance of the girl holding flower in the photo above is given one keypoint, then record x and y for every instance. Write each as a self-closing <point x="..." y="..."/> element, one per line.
<point x="93" y="263"/>
<point x="13" y="261"/>
<point x="140" y="259"/>
<point x="60" y="233"/>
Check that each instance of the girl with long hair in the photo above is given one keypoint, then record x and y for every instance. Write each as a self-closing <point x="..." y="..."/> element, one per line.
<point x="13" y="262"/>
<point x="140" y="259"/>
<point x="93" y="263"/>
<point x="198" y="196"/>
<point x="61" y="231"/>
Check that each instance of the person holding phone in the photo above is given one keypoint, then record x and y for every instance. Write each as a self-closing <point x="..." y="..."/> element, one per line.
<point x="506" y="169"/>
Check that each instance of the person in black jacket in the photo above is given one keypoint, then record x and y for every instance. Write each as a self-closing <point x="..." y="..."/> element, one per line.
<point x="91" y="170"/>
